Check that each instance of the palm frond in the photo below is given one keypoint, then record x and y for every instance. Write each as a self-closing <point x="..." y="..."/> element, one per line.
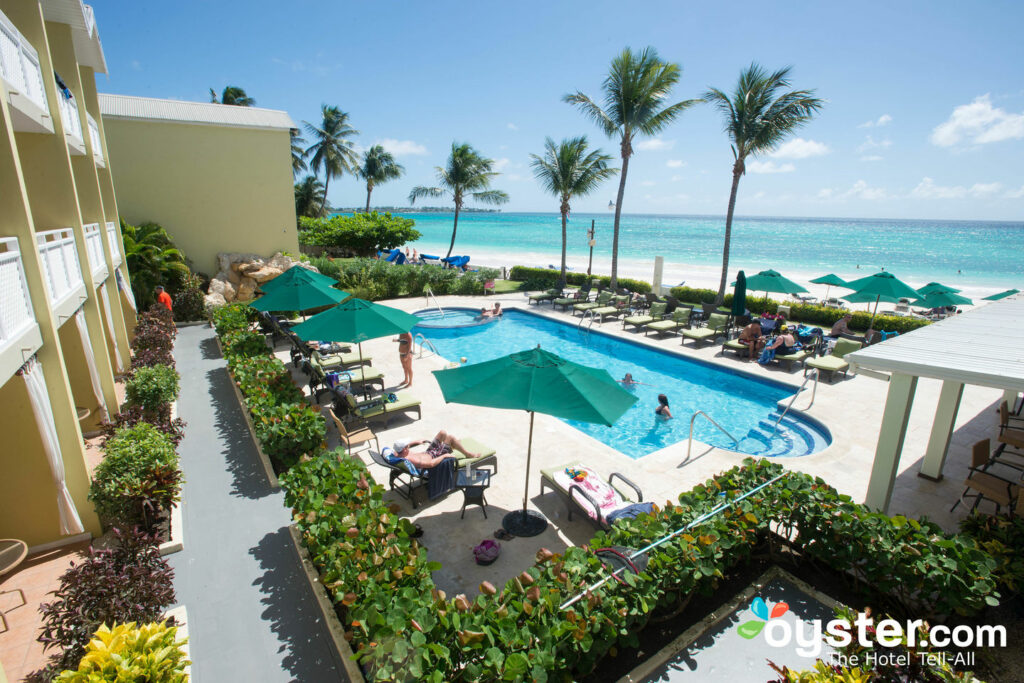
<point x="420" y="191"/>
<point x="593" y="111"/>
<point x="493" y="197"/>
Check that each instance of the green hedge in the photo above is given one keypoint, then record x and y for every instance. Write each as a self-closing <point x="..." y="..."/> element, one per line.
<point x="402" y="628"/>
<point x="361" y="233"/>
<point x="545" y="278"/>
<point x="152" y="388"/>
<point x="234" y="317"/>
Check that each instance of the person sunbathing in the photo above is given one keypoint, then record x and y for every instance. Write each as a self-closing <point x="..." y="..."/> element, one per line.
<point x="439" y="449"/>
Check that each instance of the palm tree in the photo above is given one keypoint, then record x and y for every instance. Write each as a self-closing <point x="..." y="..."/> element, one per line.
<point x="298" y="153"/>
<point x="467" y="173"/>
<point x="569" y="170"/>
<point x="331" y="149"/>
<point x="635" y="91"/>
<point x="152" y="260"/>
<point x="378" y="167"/>
<point x="309" y="198"/>
<point x="232" y="95"/>
<point x="758" y="116"/>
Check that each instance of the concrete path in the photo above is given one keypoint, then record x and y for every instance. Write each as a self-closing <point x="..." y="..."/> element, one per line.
<point x="251" y="614"/>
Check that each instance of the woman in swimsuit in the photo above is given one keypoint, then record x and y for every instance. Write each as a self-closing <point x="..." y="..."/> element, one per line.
<point x="662" y="410"/>
<point x="405" y="357"/>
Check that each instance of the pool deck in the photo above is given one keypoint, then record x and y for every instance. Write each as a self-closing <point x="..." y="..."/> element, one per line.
<point x="850" y="408"/>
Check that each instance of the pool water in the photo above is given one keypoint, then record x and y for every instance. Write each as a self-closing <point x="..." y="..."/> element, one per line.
<point x="453" y="317"/>
<point x="746" y="406"/>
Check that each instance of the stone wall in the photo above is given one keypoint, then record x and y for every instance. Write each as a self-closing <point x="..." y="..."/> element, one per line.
<point x="240" y="274"/>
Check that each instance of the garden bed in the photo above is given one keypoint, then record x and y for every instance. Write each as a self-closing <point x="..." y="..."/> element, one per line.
<point x="265" y="463"/>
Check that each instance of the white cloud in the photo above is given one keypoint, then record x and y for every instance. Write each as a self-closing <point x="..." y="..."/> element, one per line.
<point x="648" y="183"/>
<point x="798" y="148"/>
<point x="512" y="126"/>
<point x="675" y="163"/>
<point x="882" y="120"/>
<point x="1015" y="194"/>
<point x="825" y="193"/>
<point x="676" y="178"/>
<point x="402" y="147"/>
<point x="514" y="177"/>
<point x="861" y="190"/>
<point x="871" y="157"/>
<point x="769" y="167"/>
<point x="985" y="189"/>
<point x="927" y="189"/>
<point x="759" y="195"/>
<point x="979" y="122"/>
<point x="654" y="144"/>
<point x="871" y="143"/>
<point x="500" y="164"/>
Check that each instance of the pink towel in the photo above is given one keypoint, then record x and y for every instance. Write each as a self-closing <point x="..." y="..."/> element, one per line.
<point x="606" y="497"/>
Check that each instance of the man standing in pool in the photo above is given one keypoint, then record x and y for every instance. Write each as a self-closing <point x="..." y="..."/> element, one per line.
<point x="405" y="357"/>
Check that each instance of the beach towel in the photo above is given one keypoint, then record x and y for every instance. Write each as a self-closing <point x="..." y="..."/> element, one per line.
<point x="767" y="356"/>
<point x="631" y="511"/>
<point x="441" y="478"/>
<point x="389" y="455"/>
<point x="606" y="497"/>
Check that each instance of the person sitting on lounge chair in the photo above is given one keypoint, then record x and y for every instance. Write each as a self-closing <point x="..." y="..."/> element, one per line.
<point x="752" y="337"/>
<point x="785" y="342"/>
<point x="842" y="326"/>
<point x="440" y="448"/>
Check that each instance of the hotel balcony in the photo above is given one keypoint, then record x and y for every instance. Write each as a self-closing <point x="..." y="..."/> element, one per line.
<point x="23" y="78"/>
<point x="94" y="139"/>
<point x="72" y="122"/>
<point x="94" y="247"/>
<point x="62" y="272"/>
<point x="19" y="333"/>
<point x="115" y="243"/>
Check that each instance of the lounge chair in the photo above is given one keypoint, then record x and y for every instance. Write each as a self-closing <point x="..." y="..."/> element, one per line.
<point x="1011" y="428"/>
<point x="654" y="313"/>
<point x="680" y="318"/>
<point x="602" y="300"/>
<point x="335" y="361"/>
<point x="718" y="324"/>
<point x="801" y="355"/>
<point x="488" y="457"/>
<point x="379" y="409"/>
<point x="736" y="345"/>
<point x="597" y="504"/>
<point x="549" y="295"/>
<point x="579" y="296"/>
<point x="356" y="376"/>
<point x="983" y="484"/>
<point x="834" y="362"/>
<point x="356" y="437"/>
<point x="619" y="305"/>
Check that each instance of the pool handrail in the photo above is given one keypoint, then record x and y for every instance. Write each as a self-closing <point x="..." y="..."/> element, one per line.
<point x="424" y="343"/>
<point x="693" y="418"/>
<point x="429" y="293"/>
<point x="814" y="393"/>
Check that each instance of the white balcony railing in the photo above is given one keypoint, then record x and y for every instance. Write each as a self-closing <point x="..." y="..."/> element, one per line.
<point x="15" y="304"/>
<point x="94" y="139"/>
<point x="72" y="123"/>
<point x="115" y="243"/>
<point x="94" y="247"/>
<point x="19" y="64"/>
<point x="60" y="263"/>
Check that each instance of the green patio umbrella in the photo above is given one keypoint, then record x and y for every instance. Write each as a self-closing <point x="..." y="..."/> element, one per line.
<point x="297" y="274"/>
<point x="881" y="285"/>
<point x="941" y="299"/>
<point x="536" y="381"/>
<point x="1002" y="295"/>
<point x="739" y="295"/>
<point x="933" y="287"/>
<point x="831" y="280"/>
<point x="299" y="296"/>
<point x="771" y="281"/>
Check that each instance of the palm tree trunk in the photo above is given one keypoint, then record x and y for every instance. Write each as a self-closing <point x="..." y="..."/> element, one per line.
<point x="736" y="173"/>
<point x="327" y="181"/>
<point x="618" y="216"/>
<point x="369" y="189"/>
<point x="455" y="227"/>
<point x="564" y="240"/>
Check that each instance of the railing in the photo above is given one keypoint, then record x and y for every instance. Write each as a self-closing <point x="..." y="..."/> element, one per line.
<point x="90" y="19"/>
<point x="710" y="419"/>
<point x="424" y="344"/>
<point x="115" y="242"/>
<point x="94" y="139"/>
<point x="19" y="64"/>
<point x="814" y="393"/>
<point x="429" y="293"/>
<point x="69" y="117"/>
<point x="60" y="263"/>
<point x="15" y="304"/>
<point x="587" y="315"/>
<point x="94" y="247"/>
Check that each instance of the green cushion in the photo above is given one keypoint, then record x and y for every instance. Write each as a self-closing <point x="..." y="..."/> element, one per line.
<point x="471" y="444"/>
<point x="700" y="333"/>
<point x="343" y="359"/>
<point x="658" y="309"/>
<point x="662" y="325"/>
<point x="564" y="301"/>
<point x="605" y="310"/>
<point x="638" y="319"/>
<point x="828" y="363"/>
<point x="717" y="321"/>
<point x="796" y="355"/>
<point x="587" y="306"/>
<point x="845" y="346"/>
<point x="736" y="344"/>
<point x="404" y="402"/>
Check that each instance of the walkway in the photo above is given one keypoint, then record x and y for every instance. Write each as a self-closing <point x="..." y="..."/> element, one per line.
<point x="251" y="614"/>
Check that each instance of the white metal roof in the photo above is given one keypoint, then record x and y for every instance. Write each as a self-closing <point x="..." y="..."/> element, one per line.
<point x="84" y="33"/>
<point x="150" y="109"/>
<point x="984" y="346"/>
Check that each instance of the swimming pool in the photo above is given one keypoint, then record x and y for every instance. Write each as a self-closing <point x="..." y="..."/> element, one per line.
<point x="453" y="317"/>
<point x="744" y="405"/>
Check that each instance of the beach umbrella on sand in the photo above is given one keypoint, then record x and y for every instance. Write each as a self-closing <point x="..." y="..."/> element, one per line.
<point x="299" y="296"/>
<point x="933" y="287"/>
<point x="831" y="280"/>
<point x="355" y="321"/>
<point x="297" y="274"/>
<point x="1002" y="295"/>
<point x="536" y="381"/>
<point x="942" y="299"/>
<point x="739" y="295"/>
<point x="883" y="285"/>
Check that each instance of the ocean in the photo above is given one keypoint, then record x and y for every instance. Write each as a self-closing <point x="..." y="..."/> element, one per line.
<point x="978" y="257"/>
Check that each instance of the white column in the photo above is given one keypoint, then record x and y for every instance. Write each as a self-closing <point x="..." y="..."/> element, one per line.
<point x="890" y="441"/>
<point x="1010" y="396"/>
<point x="942" y="430"/>
<point x="659" y="267"/>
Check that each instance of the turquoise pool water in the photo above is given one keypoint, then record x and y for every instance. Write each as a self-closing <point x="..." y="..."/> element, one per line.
<point x="744" y="405"/>
<point x="453" y="317"/>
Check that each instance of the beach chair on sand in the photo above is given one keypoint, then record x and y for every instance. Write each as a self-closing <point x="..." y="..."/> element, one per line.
<point x="834" y="362"/>
<point x="654" y="313"/>
<point x="596" y="496"/>
<point x="602" y="300"/>
<point x="679" y="319"/>
<point x="549" y="295"/>
<point x="580" y="296"/>
<point x="718" y="324"/>
<point x="416" y="478"/>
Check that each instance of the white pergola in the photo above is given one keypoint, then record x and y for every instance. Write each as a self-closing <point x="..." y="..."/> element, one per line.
<point x="984" y="347"/>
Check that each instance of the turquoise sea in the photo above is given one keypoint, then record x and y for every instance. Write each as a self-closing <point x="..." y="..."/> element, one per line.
<point x="976" y="256"/>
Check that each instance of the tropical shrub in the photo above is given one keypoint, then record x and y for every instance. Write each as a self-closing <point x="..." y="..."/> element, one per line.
<point x="1002" y="538"/>
<point x="154" y="331"/>
<point x="400" y="626"/>
<point x="245" y="343"/>
<point x="152" y="388"/>
<point x="129" y="582"/>
<point x="152" y="260"/>
<point x="138" y="479"/>
<point x="160" y="419"/>
<point x="232" y="318"/>
<point x="189" y="301"/>
<point x="146" y="358"/>
<point x="128" y="654"/>
<point x="361" y="234"/>
<point x="545" y="278"/>
<point x="288" y="431"/>
<point x="264" y="381"/>
<point x="327" y="266"/>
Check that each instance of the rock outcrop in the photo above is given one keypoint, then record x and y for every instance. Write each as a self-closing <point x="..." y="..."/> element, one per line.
<point x="240" y="275"/>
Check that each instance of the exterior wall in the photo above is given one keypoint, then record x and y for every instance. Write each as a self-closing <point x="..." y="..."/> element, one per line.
<point x="214" y="188"/>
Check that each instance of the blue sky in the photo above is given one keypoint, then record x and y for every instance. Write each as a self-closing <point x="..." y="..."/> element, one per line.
<point x="924" y="114"/>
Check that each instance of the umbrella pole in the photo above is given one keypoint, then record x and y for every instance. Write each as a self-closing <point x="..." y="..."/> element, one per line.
<point x="529" y="453"/>
<point x="872" y="323"/>
<point x="525" y="522"/>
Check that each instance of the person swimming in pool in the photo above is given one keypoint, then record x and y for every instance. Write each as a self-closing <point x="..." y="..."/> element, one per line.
<point x="628" y="380"/>
<point x="662" y="410"/>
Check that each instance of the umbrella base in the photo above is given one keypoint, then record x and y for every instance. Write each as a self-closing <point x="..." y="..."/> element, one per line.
<point x="524" y="523"/>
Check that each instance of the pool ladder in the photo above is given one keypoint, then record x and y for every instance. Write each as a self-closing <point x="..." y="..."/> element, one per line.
<point x="424" y="344"/>
<point x="588" y="315"/>
<point x="693" y="418"/>
<point x="814" y="393"/>
<point x="429" y="293"/>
